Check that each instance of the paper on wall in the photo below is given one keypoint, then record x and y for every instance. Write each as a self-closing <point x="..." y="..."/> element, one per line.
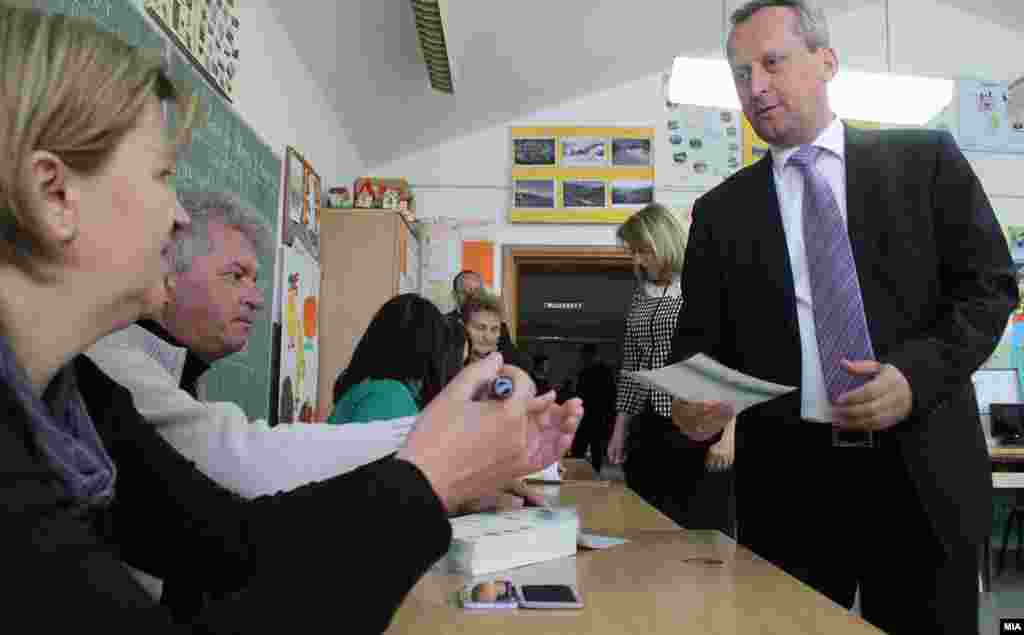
<point x="700" y="378"/>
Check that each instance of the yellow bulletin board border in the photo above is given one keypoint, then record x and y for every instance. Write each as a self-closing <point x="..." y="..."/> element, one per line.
<point x="620" y="177"/>
<point x="754" y="147"/>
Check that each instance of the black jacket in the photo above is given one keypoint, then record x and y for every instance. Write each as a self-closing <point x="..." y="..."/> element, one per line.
<point x="336" y="552"/>
<point x="938" y="286"/>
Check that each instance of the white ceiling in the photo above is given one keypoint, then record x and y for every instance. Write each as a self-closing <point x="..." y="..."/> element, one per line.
<point x="512" y="57"/>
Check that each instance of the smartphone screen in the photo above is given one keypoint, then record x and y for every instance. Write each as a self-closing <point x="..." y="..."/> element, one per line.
<point x="548" y="593"/>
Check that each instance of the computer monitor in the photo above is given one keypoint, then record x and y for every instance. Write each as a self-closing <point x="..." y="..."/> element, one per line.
<point x="1008" y="422"/>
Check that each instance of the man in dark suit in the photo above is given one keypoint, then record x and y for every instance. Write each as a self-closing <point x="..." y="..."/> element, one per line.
<point x="874" y="475"/>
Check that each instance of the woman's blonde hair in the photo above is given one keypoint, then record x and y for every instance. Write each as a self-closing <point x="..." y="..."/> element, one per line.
<point x="482" y="300"/>
<point x="660" y="228"/>
<point x="70" y="88"/>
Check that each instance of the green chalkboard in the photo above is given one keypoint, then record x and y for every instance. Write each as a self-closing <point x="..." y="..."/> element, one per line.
<point x="225" y="155"/>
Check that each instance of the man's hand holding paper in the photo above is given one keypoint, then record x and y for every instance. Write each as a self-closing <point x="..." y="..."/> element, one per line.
<point x="701" y="420"/>
<point x="708" y="394"/>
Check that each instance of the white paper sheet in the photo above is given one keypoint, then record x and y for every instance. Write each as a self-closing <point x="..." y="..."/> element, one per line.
<point x="700" y="378"/>
<point x="595" y="541"/>
<point x="995" y="386"/>
<point x="550" y="474"/>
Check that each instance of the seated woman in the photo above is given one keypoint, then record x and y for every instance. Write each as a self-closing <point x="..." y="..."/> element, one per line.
<point x="402" y="361"/>
<point x="86" y="216"/>
<point x="483" y="313"/>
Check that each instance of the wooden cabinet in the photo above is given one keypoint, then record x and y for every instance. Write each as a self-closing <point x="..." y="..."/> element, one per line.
<point x="367" y="257"/>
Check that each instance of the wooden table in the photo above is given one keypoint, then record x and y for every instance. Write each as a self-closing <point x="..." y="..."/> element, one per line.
<point x="578" y="470"/>
<point x="665" y="580"/>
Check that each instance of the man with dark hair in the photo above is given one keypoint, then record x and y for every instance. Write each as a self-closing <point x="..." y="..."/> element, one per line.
<point x="881" y="281"/>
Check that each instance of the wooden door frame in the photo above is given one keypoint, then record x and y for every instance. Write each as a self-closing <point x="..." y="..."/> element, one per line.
<point x="512" y="256"/>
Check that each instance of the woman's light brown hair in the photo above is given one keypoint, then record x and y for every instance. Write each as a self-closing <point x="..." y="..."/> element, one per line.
<point x="70" y="88"/>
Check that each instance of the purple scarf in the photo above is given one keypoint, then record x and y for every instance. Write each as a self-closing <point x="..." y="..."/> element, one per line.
<point x="64" y="434"/>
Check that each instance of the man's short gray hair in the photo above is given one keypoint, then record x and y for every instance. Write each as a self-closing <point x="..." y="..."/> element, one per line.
<point x="218" y="207"/>
<point x="811" y="24"/>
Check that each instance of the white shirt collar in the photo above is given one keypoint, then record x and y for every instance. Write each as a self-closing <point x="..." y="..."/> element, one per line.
<point x="674" y="290"/>
<point x="832" y="138"/>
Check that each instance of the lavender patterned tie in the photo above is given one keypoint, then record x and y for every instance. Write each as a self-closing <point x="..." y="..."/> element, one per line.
<point x="839" y="320"/>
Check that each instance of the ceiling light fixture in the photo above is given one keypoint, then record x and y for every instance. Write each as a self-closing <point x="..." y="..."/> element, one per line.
<point x="430" y="27"/>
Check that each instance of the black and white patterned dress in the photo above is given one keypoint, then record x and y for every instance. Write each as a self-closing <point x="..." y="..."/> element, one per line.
<point x="650" y="325"/>
<point x="663" y="465"/>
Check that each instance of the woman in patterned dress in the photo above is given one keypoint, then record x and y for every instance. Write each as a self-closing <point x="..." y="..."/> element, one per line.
<point x="688" y="481"/>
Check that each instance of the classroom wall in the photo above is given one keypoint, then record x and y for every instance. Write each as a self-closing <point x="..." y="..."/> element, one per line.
<point x="278" y="98"/>
<point x="468" y="178"/>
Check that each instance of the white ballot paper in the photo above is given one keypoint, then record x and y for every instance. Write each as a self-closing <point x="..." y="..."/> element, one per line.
<point x="700" y="378"/>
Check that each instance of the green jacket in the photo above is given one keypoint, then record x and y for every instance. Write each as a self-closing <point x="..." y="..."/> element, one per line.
<point x="376" y="400"/>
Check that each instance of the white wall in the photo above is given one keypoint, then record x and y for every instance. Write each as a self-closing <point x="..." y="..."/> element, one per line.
<point x="468" y="178"/>
<point x="277" y="97"/>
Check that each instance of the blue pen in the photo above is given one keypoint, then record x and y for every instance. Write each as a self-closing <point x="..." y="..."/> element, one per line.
<point x="501" y="387"/>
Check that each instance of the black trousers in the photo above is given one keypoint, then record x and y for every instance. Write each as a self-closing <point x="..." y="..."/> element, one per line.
<point x="843" y="518"/>
<point x="593" y="433"/>
<point x="667" y="470"/>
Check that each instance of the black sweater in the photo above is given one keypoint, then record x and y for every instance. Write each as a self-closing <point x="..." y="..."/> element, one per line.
<point x="340" y="553"/>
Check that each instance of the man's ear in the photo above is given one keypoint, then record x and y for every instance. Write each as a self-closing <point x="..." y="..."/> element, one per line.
<point x="56" y="195"/>
<point x="829" y="65"/>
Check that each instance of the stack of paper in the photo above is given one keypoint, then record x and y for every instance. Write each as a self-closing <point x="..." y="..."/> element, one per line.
<point x="494" y="541"/>
<point x="700" y="378"/>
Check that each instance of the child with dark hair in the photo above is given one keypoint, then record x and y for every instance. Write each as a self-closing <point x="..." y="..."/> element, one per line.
<point x="402" y="362"/>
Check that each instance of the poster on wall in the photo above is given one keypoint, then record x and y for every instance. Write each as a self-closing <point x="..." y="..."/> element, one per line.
<point x="704" y="145"/>
<point x="440" y="257"/>
<point x="1008" y="352"/>
<point x="299" y="347"/>
<point x="983" y="115"/>
<point x="301" y="218"/>
<point x="583" y="152"/>
<point x="207" y="32"/>
<point x="580" y="174"/>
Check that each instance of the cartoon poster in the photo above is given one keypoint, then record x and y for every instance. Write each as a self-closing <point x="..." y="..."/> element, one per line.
<point x="705" y="145"/>
<point x="300" y="350"/>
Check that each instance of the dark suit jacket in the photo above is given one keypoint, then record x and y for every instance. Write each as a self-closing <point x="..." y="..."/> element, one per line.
<point x="937" y="282"/>
<point x="303" y="556"/>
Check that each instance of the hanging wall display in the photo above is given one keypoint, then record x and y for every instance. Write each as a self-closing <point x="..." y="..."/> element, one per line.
<point x="580" y="174"/>
<point x="302" y="204"/>
<point x="207" y="31"/>
<point x="300" y="349"/>
<point x="704" y="146"/>
<point x="986" y="119"/>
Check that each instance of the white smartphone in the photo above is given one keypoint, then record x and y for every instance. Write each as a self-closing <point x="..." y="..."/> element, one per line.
<point x="549" y="596"/>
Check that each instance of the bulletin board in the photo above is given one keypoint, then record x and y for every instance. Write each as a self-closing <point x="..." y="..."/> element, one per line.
<point x="580" y="174"/>
<point x="225" y="155"/>
<point x="754" y="147"/>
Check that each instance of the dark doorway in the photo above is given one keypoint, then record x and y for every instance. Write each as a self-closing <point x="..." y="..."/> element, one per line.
<point x="562" y="306"/>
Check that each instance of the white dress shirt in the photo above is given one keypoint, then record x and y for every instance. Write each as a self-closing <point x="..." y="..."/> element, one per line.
<point x="789" y="183"/>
